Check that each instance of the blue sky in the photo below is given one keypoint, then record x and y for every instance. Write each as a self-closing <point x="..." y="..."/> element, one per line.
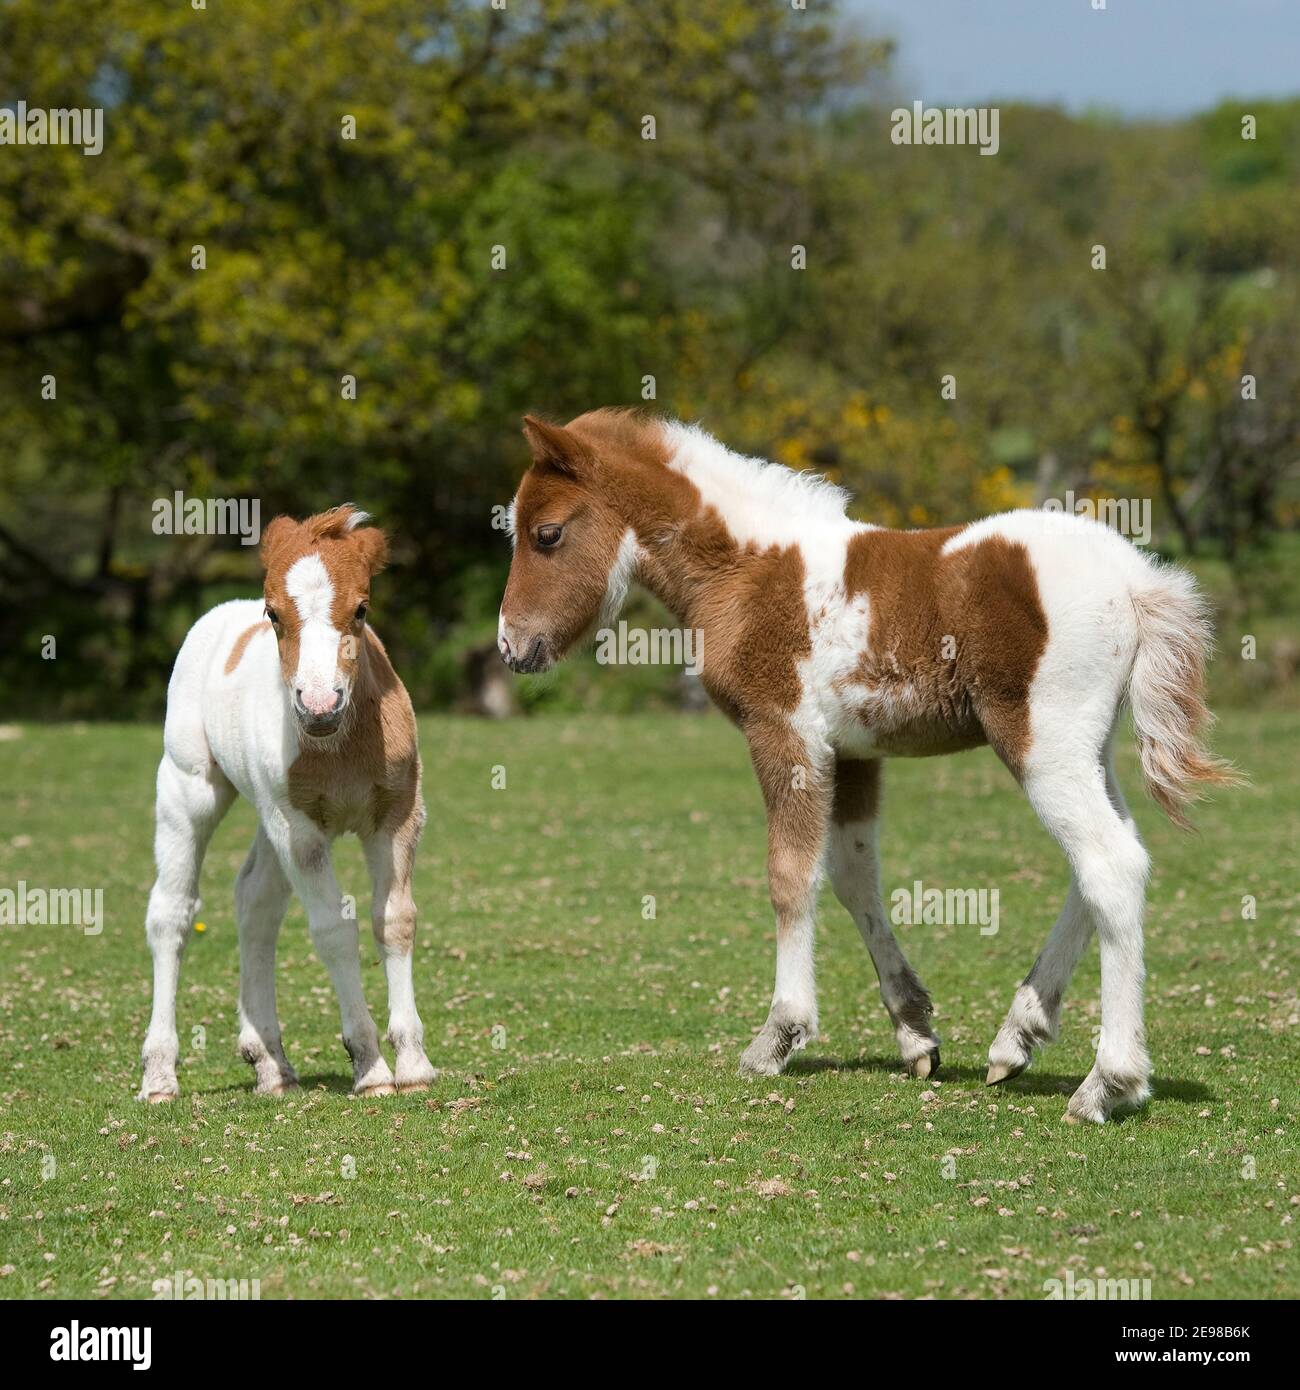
<point x="1138" y="57"/>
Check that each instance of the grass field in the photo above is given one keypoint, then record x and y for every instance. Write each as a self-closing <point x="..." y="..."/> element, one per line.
<point x="589" y="1135"/>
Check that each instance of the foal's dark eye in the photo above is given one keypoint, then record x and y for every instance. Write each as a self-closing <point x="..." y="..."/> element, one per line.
<point x="362" y="609"/>
<point x="271" y="615"/>
<point x="548" y="536"/>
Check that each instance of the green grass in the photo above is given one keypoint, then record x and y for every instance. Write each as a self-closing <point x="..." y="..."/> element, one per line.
<point x="589" y="1135"/>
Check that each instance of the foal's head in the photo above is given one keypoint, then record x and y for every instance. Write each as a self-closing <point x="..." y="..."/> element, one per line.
<point x="317" y="594"/>
<point x="573" y="551"/>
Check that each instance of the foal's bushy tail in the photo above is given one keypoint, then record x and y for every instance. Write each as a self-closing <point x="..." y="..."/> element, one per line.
<point x="1166" y="692"/>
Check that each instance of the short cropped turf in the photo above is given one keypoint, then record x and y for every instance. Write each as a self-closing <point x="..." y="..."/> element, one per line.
<point x="595" y="951"/>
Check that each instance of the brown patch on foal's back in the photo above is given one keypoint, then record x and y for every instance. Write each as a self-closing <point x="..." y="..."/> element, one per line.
<point x="984" y="597"/>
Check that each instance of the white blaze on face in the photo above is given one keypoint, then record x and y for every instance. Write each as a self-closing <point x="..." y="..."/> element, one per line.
<point x="308" y="584"/>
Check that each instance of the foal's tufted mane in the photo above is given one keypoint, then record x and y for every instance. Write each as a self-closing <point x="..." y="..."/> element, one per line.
<point x="335" y="523"/>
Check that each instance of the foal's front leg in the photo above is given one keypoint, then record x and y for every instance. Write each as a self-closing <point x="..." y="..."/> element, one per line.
<point x="307" y="863"/>
<point x="190" y="804"/>
<point x="391" y="856"/>
<point x="261" y="896"/>
<point x="855" y="876"/>
<point x="795" y="776"/>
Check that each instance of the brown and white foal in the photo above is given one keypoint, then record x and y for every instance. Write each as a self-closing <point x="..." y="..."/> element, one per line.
<point x="834" y="645"/>
<point x="293" y="703"/>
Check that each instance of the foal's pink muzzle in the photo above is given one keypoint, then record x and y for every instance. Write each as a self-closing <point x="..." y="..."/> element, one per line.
<point x="321" y="703"/>
<point x="318" y="709"/>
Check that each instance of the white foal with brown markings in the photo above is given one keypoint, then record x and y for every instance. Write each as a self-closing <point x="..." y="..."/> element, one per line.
<point x="293" y="704"/>
<point x="834" y="645"/>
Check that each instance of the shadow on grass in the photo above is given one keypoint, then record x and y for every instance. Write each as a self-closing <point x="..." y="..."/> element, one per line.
<point x="337" y="1083"/>
<point x="328" y="1081"/>
<point x="1029" y="1083"/>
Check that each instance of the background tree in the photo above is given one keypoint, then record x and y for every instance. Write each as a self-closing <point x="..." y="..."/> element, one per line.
<point x="483" y="134"/>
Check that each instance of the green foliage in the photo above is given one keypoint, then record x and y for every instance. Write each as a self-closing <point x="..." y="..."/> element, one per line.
<point x="327" y="257"/>
<point x="1125" y="380"/>
<point x="375" y="258"/>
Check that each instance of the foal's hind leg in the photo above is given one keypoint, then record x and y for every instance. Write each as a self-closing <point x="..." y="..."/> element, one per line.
<point x="1035" y="1012"/>
<point x="855" y="875"/>
<point x="261" y="896"/>
<point x="190" y="804"/>
<point x="1078" y="804"/>
<point x="1036" y="1009"/>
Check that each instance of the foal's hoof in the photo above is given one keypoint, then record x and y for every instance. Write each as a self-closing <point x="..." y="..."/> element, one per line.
<point x="279" y="1088"/>
<point x="1000" y="1072"/>
<point x="414" y="1075"/>
<point x="384" y="1088"/>
<point x="925" y="1065"/>
<point x="764" y="1063"/>
<point x="160" y="1097"/>
<point x="1102" y="1093"/>
<point x="784" y="1032"/>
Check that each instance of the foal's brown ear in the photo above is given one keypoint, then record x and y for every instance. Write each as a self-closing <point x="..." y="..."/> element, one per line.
<point x="554" y="447"/>
<point x="373" y="544"/>
<point x="280" y="529"/>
